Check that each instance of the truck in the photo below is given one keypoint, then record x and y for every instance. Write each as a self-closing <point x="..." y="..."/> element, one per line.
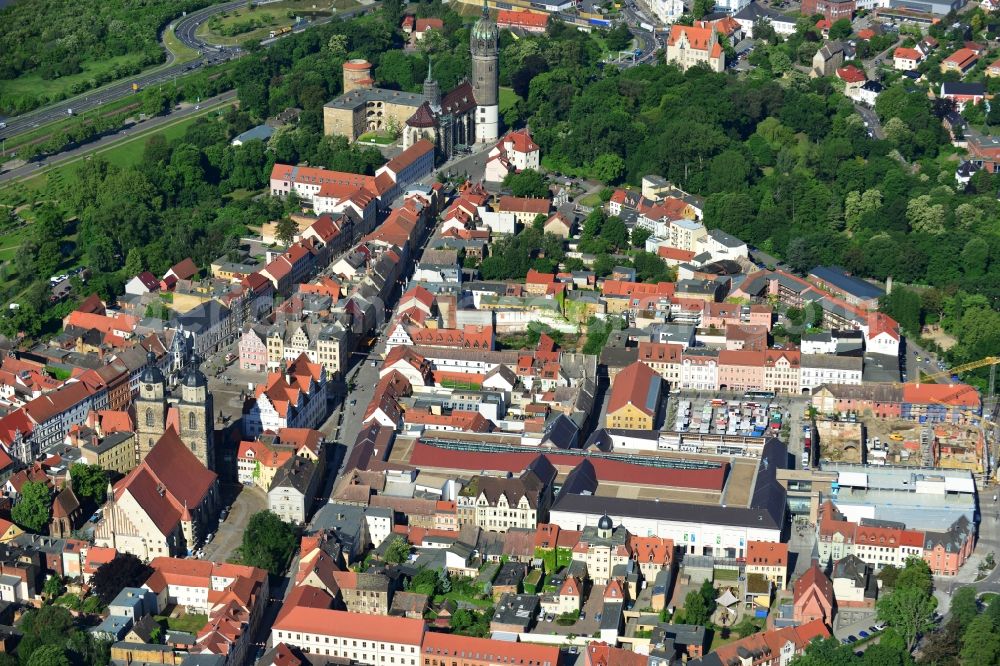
<point x="280" y="31"/>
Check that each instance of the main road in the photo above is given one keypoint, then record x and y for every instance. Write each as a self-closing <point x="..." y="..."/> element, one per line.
<point x="140" y="129"/>
<point x="185" y="29"/>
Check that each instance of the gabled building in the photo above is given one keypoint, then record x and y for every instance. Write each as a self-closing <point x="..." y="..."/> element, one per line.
<point x="498" y="504"/>
<point x="813" y="597"/>
<point x="164" y="506"/>
<point x="697" y="44"/>
<point x="634" y="402"/>
<point x="295" y="398"/>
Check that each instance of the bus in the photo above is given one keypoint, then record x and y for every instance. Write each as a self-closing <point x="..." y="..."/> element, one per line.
<point x="759" y="395"/>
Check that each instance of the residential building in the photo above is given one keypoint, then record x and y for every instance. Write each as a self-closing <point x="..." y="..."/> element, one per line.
<point x="366" y="593"/>
<point x="529" y="21"/>
<point x="829" y="57"/>
<point x="258" y="461"/>
<point x="907" y="59"/>
<point x="293" y="489"/>
<point x="961" y="61"/>
<point x="602" y="548"/>
<point x="514" y="153"/>
<point x="364" y="639"/>
<point x="820" y="369"/>
<point x="115" y="453"/>
<point x="770" y="560"/>
<point x="634" y="401"/>
<point x="498" y="504"/>
<point x="295" y="398"/>
<point x="771" y="647"/>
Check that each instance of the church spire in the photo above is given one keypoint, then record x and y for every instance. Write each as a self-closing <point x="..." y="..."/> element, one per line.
<point x="432" y="91"/>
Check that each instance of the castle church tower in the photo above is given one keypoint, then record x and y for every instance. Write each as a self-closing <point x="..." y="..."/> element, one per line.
<point x="485" y="82"/>
<point x="150" y="408"/>
<point x="194" y="412"/>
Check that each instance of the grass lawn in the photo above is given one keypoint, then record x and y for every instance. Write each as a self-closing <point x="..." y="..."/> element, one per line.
<point x="989" y="598"/>
<point x="34" y="85"/>
<point x="377" y="137"/>
<point x="190" y="623"/>
<point x="508" y="98"/>
<point x="592" y="200"/>
<point x="718" y="641"/>
<point x="272" y="16"/>
<point x="456" y="597"/>
<point x="10" y="242"/>
<point x="181" y="52"/>
<point x="727" y="574"/>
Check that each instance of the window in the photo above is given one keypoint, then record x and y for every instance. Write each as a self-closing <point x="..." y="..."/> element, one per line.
<point x="149" y="417"/>
<point x="192" y="421"/>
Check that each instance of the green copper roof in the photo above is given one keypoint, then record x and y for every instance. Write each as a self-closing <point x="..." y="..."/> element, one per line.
<point x="485" y="27"/>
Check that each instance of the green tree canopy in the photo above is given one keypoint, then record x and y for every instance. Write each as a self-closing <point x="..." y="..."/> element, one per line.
<point x="33" y="510"/>
<point x="89" y="481"/>
<point x="268" y="542"/>
<point x="126" y="570"/>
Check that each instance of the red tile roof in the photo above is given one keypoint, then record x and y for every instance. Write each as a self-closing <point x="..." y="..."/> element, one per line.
<point x="521" y="19"/>
<point x="516" y="654"/>
<point x="907" y="54"/>
<point x="955" y="395"/>
<point x="633" y="386"/>
<point x="325" y="622"/>
<point x="409" y="156"/>
<point x="524" y="205"/>
<point x="699" y="38"/>
<point x="426" y="455"/>
<point x="184" y="269"/>
<point x="767" y="553"/>
<point x="851" y="74"/>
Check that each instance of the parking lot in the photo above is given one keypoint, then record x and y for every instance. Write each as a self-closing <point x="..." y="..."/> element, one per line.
<point x="739" y="414"/>
<point x="589" y="622"/>
<point x="245" y="501"/>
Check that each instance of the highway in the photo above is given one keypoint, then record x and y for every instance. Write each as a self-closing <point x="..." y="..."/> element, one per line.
<point x="141" y="129"/>
<point x="184" y="29"/>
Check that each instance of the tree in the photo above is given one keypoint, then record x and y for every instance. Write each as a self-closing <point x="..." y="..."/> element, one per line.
<point x="916" y="574"/>
<point x="49" y="655"/>
<point x="286" y="231"/>
<point x="702" y="7"/>
<point x="528" y="183"/>
<point x="53" y="587"/>
<point x="43" y="626"/>
<point x="700" y="604"/>
<point x="639" y="236"/>
<point x="89" y="481"/>
<point x="608" y="168"/>
<point x="975" y="256"/>
<point x="964" y="607"/>
<point x="398" y="551"/>
<point x="34" y="508"/>
<point x="925" y="216"/>
<point x="133" y="262"/>
<point x="943" y="645"/>
<point x="841" y="29"/>
<point x="126" y="570"/>
<point x="909" y="610"/>
<point x="982" y="642"/>
<point x="268" y="542"/>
